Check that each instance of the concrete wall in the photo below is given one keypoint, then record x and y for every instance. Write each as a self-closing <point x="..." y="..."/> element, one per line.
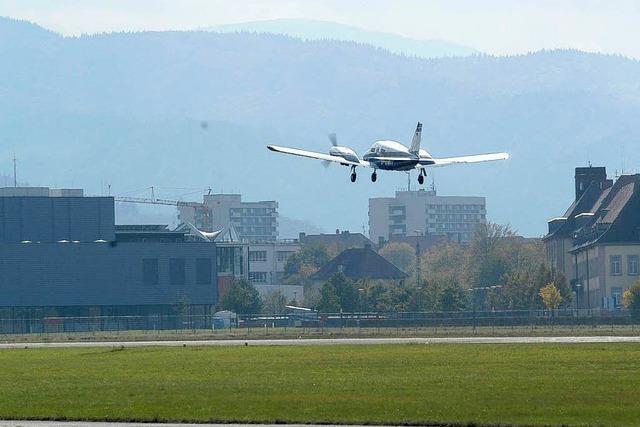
<point x="625" y="279"/>
<point x="602" y="282"/>
<point x="290" y="292"/>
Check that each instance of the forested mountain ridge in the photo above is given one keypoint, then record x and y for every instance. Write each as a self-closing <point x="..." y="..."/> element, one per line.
<point x="308" y="29"/>
<point x="127" y="108"/>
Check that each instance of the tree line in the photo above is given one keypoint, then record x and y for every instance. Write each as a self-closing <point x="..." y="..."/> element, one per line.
<point x="497" y="270"/>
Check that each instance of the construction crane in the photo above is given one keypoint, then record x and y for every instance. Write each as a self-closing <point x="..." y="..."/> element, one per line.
<point x="149" y="201"/>
<point x="201" y="211"/>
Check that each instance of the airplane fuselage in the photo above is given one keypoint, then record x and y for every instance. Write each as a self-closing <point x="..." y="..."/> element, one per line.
<point x="382" y="156"/>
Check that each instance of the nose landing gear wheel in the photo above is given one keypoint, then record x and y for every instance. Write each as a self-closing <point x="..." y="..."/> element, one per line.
<point x="353" y="177"/>
<point x="374" y="176"/>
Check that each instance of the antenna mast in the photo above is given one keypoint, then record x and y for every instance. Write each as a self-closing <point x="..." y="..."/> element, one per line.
<point x="15" y="176"/>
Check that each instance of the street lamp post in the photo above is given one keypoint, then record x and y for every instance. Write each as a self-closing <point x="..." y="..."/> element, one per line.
<point x="360" y="298"/>
<point x="578" y="286"/>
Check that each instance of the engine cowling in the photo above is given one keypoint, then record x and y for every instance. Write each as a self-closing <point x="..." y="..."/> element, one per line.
<point x="423" y="154"/>
<point x="344" y="152"/>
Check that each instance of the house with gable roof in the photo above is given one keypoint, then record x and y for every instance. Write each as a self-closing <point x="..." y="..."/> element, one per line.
<point x="596" y="243"/>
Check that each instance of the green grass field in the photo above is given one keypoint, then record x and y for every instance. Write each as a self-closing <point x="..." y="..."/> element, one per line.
<point x="585" y="384"/>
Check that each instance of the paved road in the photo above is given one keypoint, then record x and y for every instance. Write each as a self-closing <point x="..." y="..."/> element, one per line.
<point x="331" y="341"/>
<point x="105" y="424"/>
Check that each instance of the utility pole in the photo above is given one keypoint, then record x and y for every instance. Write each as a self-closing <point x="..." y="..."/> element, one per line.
<point x="418" y="267"/>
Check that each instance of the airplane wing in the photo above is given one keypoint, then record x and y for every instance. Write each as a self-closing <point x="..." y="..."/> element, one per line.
<point x="445" y="161"/>
<point x="314" y="155"/>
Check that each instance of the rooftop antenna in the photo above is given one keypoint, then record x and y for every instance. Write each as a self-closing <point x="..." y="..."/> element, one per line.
<point x="15" y="175"/>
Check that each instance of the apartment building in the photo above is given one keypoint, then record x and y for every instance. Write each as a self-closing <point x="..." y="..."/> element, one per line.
<point x="252" y="221"/>
<point x="424" y="212"/>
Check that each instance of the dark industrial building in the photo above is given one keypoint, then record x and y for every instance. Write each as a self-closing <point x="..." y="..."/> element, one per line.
<point x="61" y="254"/>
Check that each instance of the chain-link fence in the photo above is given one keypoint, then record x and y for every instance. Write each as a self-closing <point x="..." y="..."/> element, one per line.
<point x="390" y="323"/>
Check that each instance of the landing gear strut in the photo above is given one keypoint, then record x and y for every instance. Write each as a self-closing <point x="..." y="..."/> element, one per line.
<point x="421" y="176"/>
<point x="353" y="174"/>
<point x="374" y="176"/>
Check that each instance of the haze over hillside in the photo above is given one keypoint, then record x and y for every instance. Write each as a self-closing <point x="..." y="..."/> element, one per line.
<point x="128" y="109"/>
<point x="308" y="29"/>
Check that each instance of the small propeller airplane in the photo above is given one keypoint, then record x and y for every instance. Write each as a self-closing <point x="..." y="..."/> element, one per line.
<point x="388" y="155"/>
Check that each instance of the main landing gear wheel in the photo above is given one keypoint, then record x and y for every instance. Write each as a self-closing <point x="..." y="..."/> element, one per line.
<point x="353" y="177"/>
<point x="421" y="176"/>
<point x="374" y="176"/>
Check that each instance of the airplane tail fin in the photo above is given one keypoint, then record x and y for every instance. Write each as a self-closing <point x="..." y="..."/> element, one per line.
<point x="415" y="142"/>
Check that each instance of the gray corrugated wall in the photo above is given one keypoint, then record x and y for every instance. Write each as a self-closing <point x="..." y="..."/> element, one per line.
<point x="62" y="274"/>
<point x="49" y="219"/>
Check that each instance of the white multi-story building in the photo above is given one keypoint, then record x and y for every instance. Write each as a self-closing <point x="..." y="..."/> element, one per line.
<point x="422" y="212"/>
<point x="266" y="267"/>
<point x="267" y="260"/>
<point x="252" y="221"/>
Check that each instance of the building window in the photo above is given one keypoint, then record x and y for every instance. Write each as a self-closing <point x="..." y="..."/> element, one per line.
<point x="204" y="271"/>
<point x="176" y="271"/>
<point x="225" y="259"/>
<point x="257" y="277"/>
<point x="616" y="268"/>
<point x="238" y="262"/>
<point x="150" y="271"/>
<point x="283" y="256"/>
<point x="257" y="256"/>
<point x="616" y="297"/>
<point x="632" y="265"/>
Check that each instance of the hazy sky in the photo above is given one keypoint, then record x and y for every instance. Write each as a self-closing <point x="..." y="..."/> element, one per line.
<point x="494" y="26"/>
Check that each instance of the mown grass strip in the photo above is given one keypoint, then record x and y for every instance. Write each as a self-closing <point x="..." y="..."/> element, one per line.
<point x="585" y="384"/>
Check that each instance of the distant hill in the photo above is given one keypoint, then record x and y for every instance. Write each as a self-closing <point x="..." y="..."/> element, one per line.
<point x="128" y="109"/>
<point x="322" y="30"/>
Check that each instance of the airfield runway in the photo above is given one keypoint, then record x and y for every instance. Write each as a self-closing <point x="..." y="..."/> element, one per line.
<point x="329" y="341"/>
<point x="107" y="424"/>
